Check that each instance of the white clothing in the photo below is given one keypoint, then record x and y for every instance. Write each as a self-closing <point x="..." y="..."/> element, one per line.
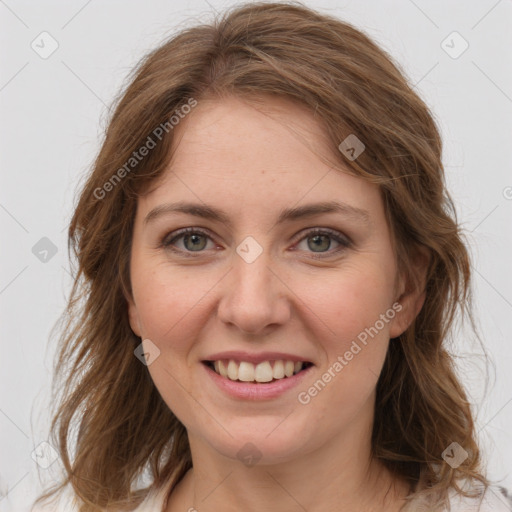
<point x="494" y="500"/>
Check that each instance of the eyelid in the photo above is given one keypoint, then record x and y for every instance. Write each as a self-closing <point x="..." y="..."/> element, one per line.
<point x="167" y="240"/>
<point x="324" y="231"/>
<point x="338" y="236"/>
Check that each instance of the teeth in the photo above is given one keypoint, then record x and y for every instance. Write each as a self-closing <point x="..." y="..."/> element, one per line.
<point x="245" y="371"/>
<point x="278" y="370"/>
<point x="232" y="370"/>
<point x="222" y="369"/>
<point x="265" y="371"/>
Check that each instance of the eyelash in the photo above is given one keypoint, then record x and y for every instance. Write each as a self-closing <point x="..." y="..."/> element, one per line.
<point x="344" y="242"/>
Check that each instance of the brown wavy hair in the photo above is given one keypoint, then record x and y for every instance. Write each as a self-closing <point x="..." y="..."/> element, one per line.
<point x="107" y="402"/>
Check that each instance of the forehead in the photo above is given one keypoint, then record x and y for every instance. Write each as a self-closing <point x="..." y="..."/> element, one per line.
<point x="261" y="134"/>
<point x="257" y="154"/>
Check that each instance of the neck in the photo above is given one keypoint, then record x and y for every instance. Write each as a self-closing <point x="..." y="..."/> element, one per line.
<point x="341" y="472"/>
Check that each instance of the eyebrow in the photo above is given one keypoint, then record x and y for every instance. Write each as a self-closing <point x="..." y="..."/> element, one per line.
<point x="211" y="213"/>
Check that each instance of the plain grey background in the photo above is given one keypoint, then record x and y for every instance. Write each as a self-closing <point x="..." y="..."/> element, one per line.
<point x="53" y="111"/>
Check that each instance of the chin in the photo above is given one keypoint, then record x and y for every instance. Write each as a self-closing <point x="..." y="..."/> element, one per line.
<point x="264" y="442"/>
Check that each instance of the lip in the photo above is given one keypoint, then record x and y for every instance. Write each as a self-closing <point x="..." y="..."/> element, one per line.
<point x="255" y="391"/>
<point x="238" y="355"/>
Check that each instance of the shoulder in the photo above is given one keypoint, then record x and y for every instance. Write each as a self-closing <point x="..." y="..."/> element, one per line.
<point x="66" y="502"/>
<point x="491" y="499"/>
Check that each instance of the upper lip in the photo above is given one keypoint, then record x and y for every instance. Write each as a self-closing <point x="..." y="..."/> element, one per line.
<point x="254" y="358"/>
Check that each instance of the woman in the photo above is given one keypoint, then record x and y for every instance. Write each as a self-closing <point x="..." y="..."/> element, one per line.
<point x="268" y="269"/>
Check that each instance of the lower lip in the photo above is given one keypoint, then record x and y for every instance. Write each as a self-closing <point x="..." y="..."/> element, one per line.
<point x="253" y="390"/>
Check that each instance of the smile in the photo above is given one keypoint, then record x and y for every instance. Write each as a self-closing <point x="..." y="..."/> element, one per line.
<point x="263" y="372"/>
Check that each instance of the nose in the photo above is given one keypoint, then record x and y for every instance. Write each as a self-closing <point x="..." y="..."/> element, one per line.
<point x="254" y="299"/>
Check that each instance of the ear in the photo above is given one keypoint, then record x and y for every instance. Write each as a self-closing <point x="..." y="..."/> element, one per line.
<point x="411" y="291"/>
<point x="133" y="316"/>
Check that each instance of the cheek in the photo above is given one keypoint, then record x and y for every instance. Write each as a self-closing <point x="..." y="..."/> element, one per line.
<point x="166" y="299"/>
<point x="351" y="311"/>
<point x="350" y="301"/>
<point x="170" y="303"/>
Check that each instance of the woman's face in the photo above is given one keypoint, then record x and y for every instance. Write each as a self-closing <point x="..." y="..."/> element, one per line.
<point x="287" y="259"/>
